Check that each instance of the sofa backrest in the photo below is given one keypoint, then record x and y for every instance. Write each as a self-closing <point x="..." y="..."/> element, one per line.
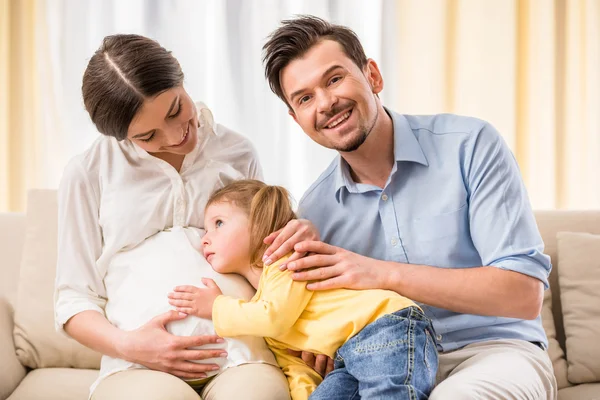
<point x="549" y="223"/>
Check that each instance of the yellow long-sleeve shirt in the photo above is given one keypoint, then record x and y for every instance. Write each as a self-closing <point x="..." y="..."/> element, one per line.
<point x="289" y="316"/>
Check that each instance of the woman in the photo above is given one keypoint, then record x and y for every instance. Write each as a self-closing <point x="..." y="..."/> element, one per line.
<point x="155" y="165"/>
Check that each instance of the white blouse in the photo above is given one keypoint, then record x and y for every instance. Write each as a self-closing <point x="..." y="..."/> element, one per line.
<point x="112" y="199"/>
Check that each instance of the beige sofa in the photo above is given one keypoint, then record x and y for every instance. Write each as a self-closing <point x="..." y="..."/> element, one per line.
<point x="38" y="363"/>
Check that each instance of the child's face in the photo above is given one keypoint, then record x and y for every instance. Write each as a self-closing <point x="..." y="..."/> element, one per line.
<point x="227" y="239"/>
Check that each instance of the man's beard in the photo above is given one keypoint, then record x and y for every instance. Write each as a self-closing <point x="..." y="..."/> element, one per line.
<point x="360" y="139"/>
<point x="355" y="143"/>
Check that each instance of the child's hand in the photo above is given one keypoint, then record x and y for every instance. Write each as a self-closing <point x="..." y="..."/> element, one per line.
<point x="195" y="301"/>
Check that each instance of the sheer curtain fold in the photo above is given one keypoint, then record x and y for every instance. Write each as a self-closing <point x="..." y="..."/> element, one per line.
<point x="530" y="67"/>
<point x="19" y="112"/>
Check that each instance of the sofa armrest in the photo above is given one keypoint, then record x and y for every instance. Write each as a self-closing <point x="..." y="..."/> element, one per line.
<point x="11" y="370"/>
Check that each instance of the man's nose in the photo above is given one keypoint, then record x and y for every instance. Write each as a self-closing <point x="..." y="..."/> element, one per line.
<point x="325" y="101"/>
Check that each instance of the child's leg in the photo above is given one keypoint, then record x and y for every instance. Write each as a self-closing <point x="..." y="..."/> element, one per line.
<point x="395" y="357"/>
<point x="338" y="384"/>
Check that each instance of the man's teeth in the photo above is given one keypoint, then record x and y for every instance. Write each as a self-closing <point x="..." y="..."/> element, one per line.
<point x="339" y="120"/>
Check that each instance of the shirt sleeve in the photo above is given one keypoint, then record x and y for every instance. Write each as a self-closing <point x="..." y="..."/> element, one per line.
<point x="302" y="379"/>
<point x="78" y="286"/>
<point x="271" y="314"/>
<point x="502" y="224"/>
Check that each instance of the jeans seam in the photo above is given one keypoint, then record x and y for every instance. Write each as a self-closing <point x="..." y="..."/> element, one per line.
<point x="411" y="358"/>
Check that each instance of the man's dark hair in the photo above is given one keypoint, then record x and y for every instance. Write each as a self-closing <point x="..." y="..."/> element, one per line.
<point x="297" y="36"/>
<point x="124" y="71"/>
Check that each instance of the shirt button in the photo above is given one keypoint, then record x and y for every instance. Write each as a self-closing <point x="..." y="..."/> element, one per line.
<point x="384" y="197"/>
<point x="439" y="338"/>
<point x="394" y="242"/>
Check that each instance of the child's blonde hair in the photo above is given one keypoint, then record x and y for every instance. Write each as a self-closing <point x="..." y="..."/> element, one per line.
<point x="268" y="209"/>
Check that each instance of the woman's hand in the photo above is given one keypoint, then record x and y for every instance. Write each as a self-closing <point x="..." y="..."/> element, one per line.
<point x="319" y="362"/>
<point x="153" y="347"/>
<point x="283" y="241"/>
<point x="195" y="301"/>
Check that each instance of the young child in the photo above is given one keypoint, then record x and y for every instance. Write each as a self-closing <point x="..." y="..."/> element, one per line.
<point x="382" y="343"/>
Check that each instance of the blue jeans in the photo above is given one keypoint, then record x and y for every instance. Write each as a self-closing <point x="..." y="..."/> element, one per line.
<point x="394" y="357"/>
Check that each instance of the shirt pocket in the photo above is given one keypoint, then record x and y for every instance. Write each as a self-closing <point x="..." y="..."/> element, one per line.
<point x="434" y="240"/>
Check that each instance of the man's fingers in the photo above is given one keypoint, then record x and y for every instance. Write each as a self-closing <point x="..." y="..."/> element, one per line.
<point x="315" y="246"/>
<point x="321" y="364"/>
<point x="293" y="257"/>
<point x="308" y="358"/>
<point x="269" y="239"/>
<point x="337" y="282"/>
<point x="294" y="353"/>
<point x="280" y="246"/>
<point x="330" y="365"/>
<point x="312" y="261"/>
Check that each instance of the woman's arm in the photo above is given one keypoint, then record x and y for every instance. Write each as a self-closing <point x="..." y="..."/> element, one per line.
<point x="80" y="295"/>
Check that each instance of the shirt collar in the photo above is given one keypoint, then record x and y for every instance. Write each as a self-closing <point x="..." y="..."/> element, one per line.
<point x="406" y="148"/>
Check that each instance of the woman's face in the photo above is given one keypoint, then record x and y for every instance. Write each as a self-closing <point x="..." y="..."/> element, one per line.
<point x="167" y="123"/>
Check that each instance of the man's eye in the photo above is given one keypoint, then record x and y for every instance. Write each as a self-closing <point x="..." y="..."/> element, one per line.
<point x="335" y="79"/>
<point x="218" y="223"/>
<point x="304" y="99"/>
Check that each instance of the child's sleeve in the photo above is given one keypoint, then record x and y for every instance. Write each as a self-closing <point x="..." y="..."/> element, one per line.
<point x="302" y="379"/>
<point x="273" y="313"/>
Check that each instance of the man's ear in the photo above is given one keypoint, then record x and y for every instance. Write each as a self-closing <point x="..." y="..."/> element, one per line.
<point x="291" y="112"/>
<point x="373" y="75"/>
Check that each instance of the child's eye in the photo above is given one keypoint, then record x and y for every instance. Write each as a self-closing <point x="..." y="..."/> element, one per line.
<point x="218" y="223"/>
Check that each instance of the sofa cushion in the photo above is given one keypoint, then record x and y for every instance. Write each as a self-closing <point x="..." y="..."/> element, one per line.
<point x="587" y="391"/>
<point x="37" y="343"/>
<point x="56" y="384"/>
<point x="555" y="352"/>
<point x="579" y="281"/>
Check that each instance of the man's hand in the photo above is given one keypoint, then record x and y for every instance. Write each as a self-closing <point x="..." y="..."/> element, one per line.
<point x="192" y="300"/>
<point x="283" y="241"/>
<point x="333" y="267"/>
<point x="319" y="362"/>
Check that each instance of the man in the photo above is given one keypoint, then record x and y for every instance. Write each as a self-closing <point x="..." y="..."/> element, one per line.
<point x="432" y="207"/>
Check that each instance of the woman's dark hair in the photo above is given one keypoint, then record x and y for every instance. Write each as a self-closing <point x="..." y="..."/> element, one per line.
<point x="122" y="73"/>
<point x="295" y="37"/>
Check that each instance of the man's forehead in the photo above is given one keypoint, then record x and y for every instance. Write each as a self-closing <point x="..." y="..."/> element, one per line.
<point x="312" y="65"/>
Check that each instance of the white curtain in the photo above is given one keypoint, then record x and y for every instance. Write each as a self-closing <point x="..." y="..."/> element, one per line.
<point x="530" y="67"/>
<point x="218" y="43"/>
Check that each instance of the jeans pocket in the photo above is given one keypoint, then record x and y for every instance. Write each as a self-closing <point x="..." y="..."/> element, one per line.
<point x="387" y="333"/>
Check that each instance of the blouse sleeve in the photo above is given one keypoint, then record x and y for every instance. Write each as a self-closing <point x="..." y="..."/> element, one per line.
<point x="78" y="286"/>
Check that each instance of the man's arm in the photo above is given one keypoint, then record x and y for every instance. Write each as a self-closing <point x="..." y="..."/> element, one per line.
<point x="480" y="290"/>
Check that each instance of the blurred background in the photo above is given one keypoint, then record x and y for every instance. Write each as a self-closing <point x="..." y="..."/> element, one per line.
<point x="530" y="67"/>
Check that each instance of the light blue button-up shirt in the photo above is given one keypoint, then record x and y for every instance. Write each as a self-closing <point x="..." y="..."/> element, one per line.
<point x="454" y="199"/>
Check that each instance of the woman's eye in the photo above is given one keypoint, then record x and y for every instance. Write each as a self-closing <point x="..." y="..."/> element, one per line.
<point x="218" y="223"/>
<point x="149" y="138"/>
<point x="178" y="110"/>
